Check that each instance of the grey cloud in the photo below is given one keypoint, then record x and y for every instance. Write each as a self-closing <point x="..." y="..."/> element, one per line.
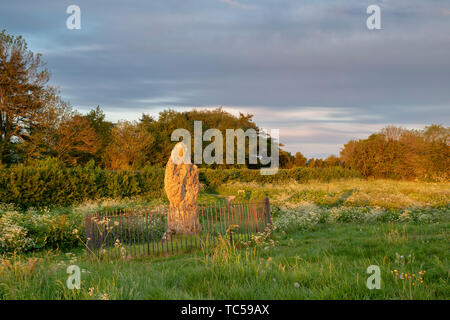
<point x="283" y="55"/>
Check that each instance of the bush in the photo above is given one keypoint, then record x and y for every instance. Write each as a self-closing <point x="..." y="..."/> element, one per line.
<point x="32" y="230"/>
<point x="49" y="183"/>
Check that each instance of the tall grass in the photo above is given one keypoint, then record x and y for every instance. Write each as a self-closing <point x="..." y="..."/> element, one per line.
<point x="329" y="263"/>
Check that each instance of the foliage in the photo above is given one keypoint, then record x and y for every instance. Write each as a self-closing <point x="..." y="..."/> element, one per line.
<point x="33" y="230"/>
<point x="387" y="194"/>
<point x="215" y="178"/>
<point x="23" y="92"/>
<point x="130" y="146"/>
<point x="309" y="216"/>
<point x="49" y="182"/>
<point x="401" y="154"/>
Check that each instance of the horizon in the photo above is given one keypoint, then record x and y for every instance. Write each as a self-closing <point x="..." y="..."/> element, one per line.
<point x="312" y="70"/>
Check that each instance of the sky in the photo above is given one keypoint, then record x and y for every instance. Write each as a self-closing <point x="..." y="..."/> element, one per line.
<point x="309" y="68"/>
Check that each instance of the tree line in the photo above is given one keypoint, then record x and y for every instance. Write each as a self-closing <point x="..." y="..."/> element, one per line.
<point x="393" y="152"/>
<point x="35" y="123"/>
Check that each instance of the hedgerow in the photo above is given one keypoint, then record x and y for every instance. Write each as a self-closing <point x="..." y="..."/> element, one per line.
<point x="215" y="177"/>
<point x="49" y="182"/>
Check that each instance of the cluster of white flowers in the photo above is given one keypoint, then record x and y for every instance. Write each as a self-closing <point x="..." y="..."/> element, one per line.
<point x="13" y="237"/>
<point x="32" y="229"/>
<point x="301" y="217"/>
<point x="261" y="239"/>
<point x="307" y="215"/>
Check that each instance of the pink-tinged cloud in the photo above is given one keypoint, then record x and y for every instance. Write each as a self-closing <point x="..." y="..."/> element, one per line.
<point x="445" y="11"/>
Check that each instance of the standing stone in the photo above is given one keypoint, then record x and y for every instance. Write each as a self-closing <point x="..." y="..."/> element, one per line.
<point x="182" y="187"/>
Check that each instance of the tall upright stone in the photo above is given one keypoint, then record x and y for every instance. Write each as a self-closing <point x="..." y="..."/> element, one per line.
<point x="182" y="187"/>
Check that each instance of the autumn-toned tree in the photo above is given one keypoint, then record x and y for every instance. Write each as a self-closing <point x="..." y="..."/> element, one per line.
<point x="23" y="92"/>
<point x="401" y="153"/>
<point x="311" y="163"/>
<point x="393" y="132"/>
<point x="42" y="130"/>
<point x="300" y="160"/>
<point x="73" y="139"/>
<point x="332" y="161"/>
<point x="437" y="133"/>
<point x="103" y="130"/>
<point x="347" y="154"/>
<point x="437" y="152"/>
<point x="286" y="160"/>
<point x="130" y="146"/>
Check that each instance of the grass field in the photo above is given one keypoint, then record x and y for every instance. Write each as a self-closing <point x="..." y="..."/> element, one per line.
<point x="327" y="236"/>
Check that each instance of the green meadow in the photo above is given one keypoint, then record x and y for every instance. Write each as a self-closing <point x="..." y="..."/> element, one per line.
<point x="325" y="237"/>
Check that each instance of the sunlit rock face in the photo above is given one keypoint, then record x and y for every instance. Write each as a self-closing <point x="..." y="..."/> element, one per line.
<point x="182" y="187"/>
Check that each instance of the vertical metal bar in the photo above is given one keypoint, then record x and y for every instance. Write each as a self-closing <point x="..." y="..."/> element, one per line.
<point x="267" y="206"/>
<point x="208" y="213"/>
<point x="130" y="229"/>
<point x="167" y="246"/>
<point x="111" y="234"/>
<point x="220" y="225"/>
<point x="247" y="226"/>
<point x="158" y="221"/>
<point x="161" y="221"/>
<point x="215" y="222"/>
<point x="171" y="241"/>
<point x="133" y="230"/>
<point x="146" y="232"/>
<point x="152" y="228"/>
<point x="228" y="208"/>
<point x="231" y="222"/>
<point x="121" y="237"/>
<point x="88" y="232"/>
<point x="255" y="215"/>
<point x="102" y="234"/>
<point x="116" y="233"/>
<point x="211" y="224"/>
<point x="142" y="226"/>
<point x="138" y="231"/>
<point x="241" y="219"/>
<point x="261" y="218"/>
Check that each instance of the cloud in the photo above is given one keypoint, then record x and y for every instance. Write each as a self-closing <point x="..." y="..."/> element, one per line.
<point x="309" y="68"/>
<point x="235" y="4"/>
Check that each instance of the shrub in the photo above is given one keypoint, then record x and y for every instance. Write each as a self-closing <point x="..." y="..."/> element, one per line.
<point x="49" y="183"/>
<point x="13" y="237"/>
<point x="32" y="230"/>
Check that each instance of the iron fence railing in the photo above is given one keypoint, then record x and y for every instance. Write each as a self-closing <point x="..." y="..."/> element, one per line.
<point x="140" y="231"/>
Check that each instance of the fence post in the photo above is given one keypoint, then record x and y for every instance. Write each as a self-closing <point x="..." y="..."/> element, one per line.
<point x="230" y="222"/>
<point x="231" y="237"/>
<point x="267" y="210"/>
<point x="88" y="232"/>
